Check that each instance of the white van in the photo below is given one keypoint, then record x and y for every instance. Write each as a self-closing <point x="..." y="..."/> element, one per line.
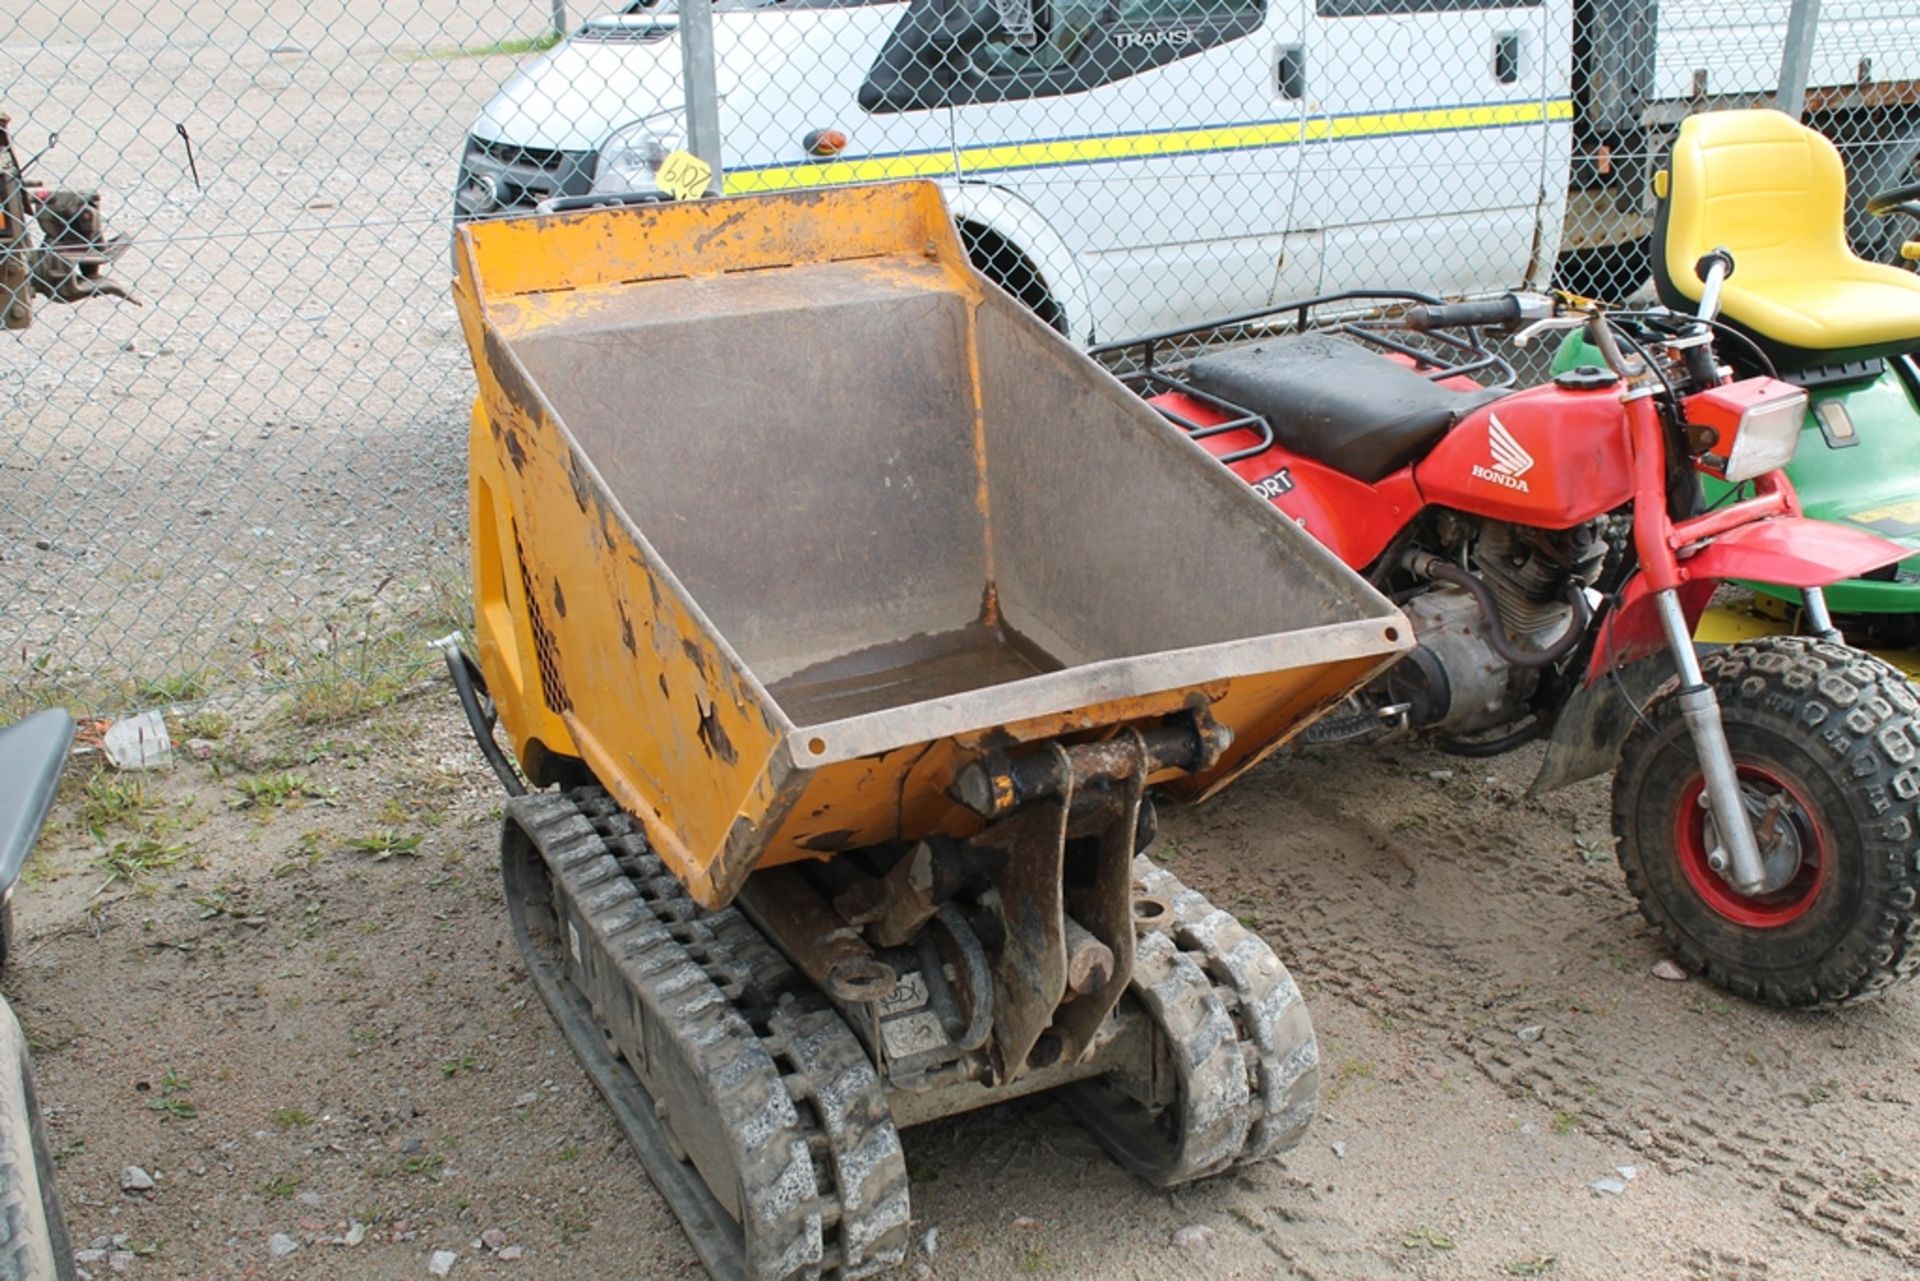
<point x="1121" y="165"/>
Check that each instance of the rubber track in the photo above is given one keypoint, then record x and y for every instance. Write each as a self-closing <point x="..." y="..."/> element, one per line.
<point x="791" y="1100"/>
<point x="1242" y="1045"/>
<point x="1276" y="1032"/>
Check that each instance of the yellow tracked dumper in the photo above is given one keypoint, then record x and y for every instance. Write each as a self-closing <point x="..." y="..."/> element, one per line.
<point x="841" y="615"/>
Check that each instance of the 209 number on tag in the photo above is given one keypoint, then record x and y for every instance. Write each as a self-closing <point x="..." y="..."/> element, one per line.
<point x="684" y="176"/>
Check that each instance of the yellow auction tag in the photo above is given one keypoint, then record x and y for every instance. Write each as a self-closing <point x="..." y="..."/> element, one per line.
<point x="684" y="176"/>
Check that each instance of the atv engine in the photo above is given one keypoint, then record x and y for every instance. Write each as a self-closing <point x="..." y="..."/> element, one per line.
<point x="1456" y="680"/>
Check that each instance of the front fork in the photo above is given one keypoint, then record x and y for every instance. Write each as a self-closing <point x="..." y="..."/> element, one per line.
<point x="1738" y="856"/>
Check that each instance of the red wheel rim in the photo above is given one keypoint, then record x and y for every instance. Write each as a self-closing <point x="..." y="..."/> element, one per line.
<point x="1758" y="911"/>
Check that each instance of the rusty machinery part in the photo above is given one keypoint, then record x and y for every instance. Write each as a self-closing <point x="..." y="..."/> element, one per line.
<point x="16" y="249"/>
<point x="985" y="961"/>
<point x="73" y="235"/>
<point x="752" y="1106"/>
<point x="995" y="786"/>
<point x="1245" y="1067"/>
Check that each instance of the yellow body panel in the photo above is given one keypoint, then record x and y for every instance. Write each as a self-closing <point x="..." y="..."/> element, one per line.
<point x="658" y="678"/>
<point x="1774" y="193"/>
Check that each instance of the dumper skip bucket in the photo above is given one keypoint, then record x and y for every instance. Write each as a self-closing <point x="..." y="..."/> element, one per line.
<point x="782" y="516"/>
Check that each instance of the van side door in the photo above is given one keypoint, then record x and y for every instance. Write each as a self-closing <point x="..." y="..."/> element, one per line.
<point x="1434" y="124"/>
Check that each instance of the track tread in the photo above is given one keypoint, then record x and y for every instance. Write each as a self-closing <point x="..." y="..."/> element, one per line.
<point x="1243" y="1044"/>
<point x="1268" y="1010"/>
<point x="734" y="1010"/>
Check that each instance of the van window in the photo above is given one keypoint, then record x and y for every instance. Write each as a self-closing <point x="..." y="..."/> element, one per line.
<point x="951" y="52"/>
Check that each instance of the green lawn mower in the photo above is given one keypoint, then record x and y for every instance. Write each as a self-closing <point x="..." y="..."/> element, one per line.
<point x="1769" y="194"/>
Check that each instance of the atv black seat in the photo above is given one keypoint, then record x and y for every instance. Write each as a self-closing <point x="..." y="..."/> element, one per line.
<point x="1337" y="403"/>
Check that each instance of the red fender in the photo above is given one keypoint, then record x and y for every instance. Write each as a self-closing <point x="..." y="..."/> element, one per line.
<point x="1791" y="551"/>
<point x="1632" y="630"/>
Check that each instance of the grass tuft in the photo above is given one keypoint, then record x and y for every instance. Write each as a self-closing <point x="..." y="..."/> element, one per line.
<point x="516" y="46"/>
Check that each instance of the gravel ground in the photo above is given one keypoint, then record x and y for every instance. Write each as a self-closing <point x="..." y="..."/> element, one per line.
<point x="211" y="487"/>
<point x="306" y="1014"/>
<point x="279" y="981"/>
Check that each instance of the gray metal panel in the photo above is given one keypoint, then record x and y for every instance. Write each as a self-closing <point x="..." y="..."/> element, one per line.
<point x="1113" y="534"/>
<point x="796" y="443"/>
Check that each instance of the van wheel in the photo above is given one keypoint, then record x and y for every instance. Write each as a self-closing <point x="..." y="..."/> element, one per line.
<point x="994" y="257"/>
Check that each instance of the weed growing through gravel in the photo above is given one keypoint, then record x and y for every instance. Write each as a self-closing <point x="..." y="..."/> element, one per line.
<point x="131" y="861"/>
<point x="280" y="1187"/>
<point x="374" y="653"/>
<point x="272" y="791"/>
<point x="292" y="1118"/>
<point x="173" y="687"/>
<point x="207" y="722"/>
<point x="1423" y="1237"/>
<point x="1538" y="1266"/>
<point x="515" y="47"/>
<point x="422" y="1165"/>
<point x="176" y="1107"/>
<point x="384" y="844"/>
<point x="454" y="1067"/>
<point x="111" y="800"/>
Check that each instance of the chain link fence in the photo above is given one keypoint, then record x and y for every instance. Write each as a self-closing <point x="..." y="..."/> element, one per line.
<point x="254" y="478"/>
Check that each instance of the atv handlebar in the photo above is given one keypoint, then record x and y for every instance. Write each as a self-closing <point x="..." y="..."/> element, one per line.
<point x="1715" y="268"/>
<point x="1425" y="317"/>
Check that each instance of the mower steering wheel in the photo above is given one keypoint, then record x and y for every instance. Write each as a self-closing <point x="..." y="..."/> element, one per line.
<point x="1896" y="200"/>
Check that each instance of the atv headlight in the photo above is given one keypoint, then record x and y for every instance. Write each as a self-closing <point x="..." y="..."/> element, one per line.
<point x="632" y="155"/>
<point x="1766" y="437"/>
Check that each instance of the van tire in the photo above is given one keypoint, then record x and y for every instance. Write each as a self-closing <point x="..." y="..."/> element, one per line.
<point x="1000" y="260"/>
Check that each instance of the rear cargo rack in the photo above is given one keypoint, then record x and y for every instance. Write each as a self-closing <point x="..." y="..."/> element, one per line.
<point x="1371" y="317"/>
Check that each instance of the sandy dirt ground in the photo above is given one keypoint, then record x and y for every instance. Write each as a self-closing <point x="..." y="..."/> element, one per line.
<point x="280" y="981"/>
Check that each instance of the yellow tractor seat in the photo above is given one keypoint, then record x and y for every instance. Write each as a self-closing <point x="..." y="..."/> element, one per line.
<point x="1773" y="192"/>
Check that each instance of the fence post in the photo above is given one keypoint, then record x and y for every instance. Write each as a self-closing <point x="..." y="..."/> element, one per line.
<point x="560" y="18"/>
<point x="1796" y="57"/>
<point x="696" y="74"/>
